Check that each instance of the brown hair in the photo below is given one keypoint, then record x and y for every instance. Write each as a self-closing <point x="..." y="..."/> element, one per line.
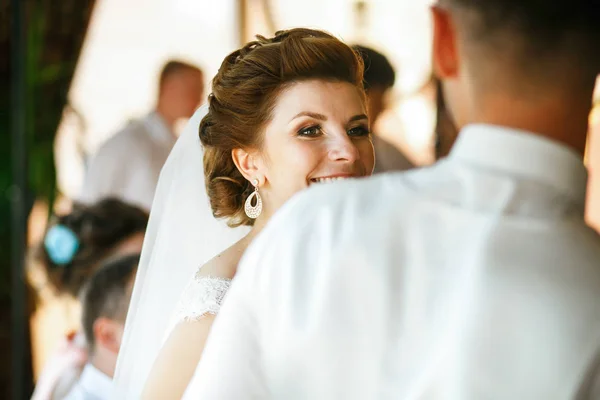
<point x="244" y="93"/>
<point x="98" y="229"/>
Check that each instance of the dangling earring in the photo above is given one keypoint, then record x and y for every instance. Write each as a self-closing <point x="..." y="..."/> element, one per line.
<point x="253" y="211"/>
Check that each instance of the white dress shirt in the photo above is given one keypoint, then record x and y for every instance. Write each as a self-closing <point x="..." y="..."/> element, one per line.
<point x="92" y="385"/>
<point x="128" y="165"/>
<point x="473" y="279"/>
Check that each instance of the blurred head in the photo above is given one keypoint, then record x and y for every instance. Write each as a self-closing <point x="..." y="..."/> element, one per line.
<point x="516" y="56"/>
<point x="379" y="77"/>
<point x="288" y="111"/>
<point x="181" y="89"/>
<point x="77" y="243"/>
<point x="105" y="300"/>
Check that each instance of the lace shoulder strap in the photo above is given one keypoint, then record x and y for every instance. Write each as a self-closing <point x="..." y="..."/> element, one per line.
<point x="203" y="295"/>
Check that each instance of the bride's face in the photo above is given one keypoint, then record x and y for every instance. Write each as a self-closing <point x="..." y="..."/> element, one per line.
<point x="319" y="132"/>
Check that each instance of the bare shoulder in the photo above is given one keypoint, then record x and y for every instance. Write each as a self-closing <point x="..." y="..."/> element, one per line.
<point x="205" y="292"/>
<point x="224" y="265"/>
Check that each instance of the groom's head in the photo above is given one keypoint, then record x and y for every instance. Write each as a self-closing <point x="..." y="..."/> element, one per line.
<point x="529" y="50"/>
<point x="105" y="300"/>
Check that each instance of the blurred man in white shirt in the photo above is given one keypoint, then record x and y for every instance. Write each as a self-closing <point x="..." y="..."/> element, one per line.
<point x="476" y="278"/>
<point x="127" y="166"/>
<point x="105" y="302"/>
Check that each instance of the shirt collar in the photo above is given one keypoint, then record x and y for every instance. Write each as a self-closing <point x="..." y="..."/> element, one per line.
<point x="158" y="128"/>
<point x="525" y="154"/>
<point x="95" y="382"/>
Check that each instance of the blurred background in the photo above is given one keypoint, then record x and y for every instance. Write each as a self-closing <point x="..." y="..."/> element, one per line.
<point x="74" y="72"/>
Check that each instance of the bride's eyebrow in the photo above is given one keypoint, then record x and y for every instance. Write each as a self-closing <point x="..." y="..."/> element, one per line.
<point x="358" y="117"/>
<point x="318" y="116"/>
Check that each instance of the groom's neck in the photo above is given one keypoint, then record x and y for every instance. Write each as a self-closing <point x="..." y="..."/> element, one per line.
<point x="104" y="361"/>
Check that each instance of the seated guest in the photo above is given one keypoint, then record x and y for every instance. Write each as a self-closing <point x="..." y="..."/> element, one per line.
<point x="77" y="243"/>
<point x="105" y="301"/>
<point x="74" y="247"/>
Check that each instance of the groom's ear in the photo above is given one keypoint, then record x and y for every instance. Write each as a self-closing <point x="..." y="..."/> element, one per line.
<point x="107" y="334"/>
<point x="445" y="46"/>
<point x="247" y="163"/>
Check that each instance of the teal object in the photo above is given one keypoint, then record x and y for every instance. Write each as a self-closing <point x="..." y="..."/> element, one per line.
<point x="61" y="244"/>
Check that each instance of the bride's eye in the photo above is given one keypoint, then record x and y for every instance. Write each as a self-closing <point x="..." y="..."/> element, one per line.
<point x="311" y="131"/>
<point x="359" y="131"/>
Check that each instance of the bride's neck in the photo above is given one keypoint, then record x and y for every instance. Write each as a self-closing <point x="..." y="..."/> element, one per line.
<point x="257" y="228"/>
<point x="238" y="249"/>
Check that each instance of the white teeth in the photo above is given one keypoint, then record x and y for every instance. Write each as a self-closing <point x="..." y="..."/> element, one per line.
<point x="329" y="180"/>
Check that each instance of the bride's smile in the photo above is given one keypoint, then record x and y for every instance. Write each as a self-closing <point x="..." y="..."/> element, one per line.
<point x="329" y="179"/>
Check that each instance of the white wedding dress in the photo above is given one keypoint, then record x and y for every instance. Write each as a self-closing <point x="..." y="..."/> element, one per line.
<point x="203" y="295"/>
<point x="181" y="235"/>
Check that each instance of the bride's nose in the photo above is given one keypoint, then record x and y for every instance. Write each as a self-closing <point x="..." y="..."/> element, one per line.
<point x="342" y="148"/>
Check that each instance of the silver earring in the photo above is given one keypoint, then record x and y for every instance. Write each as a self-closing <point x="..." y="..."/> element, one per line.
<point x="253" y="211"/>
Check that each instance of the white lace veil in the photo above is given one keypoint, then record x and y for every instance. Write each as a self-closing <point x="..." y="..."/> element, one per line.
<point x="182" y="235"/>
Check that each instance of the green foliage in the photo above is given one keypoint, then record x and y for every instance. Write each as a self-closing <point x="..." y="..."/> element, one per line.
<point x="54" y="37"/>
<point x="42" y="114"/>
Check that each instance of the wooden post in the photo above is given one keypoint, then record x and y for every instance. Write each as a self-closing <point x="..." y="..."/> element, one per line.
<point x="20" y="385"/>
<point x="242" y="21"/>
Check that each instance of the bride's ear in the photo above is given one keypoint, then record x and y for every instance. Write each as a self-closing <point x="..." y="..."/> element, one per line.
<point x="248" y="163"/>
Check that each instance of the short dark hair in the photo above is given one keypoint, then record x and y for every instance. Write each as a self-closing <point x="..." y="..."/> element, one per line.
<point x="106" y="293"/>
<point x="555" y="31"/>
<point x="174" y="67"/>
<point x="378" y="72"/>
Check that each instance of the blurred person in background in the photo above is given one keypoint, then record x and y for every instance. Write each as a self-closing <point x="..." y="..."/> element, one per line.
<point x="475" y="278"/>
<point x="127" y="166"/>
<point x="445" y="133"/>
<point x="74" y="247"/>
<point x="379" y="78"/>
<point x="105" y="300"/>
